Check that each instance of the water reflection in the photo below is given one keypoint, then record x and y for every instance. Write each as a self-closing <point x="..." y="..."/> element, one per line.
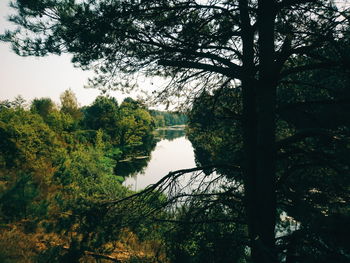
<point x="170" y="133"/>
<point x="172" y="152"/>
<point x="136" y="160"/>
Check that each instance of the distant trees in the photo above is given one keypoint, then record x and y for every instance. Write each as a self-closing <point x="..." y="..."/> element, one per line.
<point x="165" y="118"/>
<point x="18" y="102"/>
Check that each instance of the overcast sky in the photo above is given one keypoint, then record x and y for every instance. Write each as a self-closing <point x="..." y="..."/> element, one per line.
<point x="34" y="77"/>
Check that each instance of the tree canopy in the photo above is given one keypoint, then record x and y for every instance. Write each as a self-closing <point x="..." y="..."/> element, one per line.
<point x="55" y="176"/>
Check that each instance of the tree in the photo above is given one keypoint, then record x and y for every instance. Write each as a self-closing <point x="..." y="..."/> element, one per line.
<point x="102" y="114"/>
<point x="43" y="107"/>
<point x="69" y="104"/>
<point x="134" y="123"/>
<point x="208" y="44"/>
<point x="18" y="102"/>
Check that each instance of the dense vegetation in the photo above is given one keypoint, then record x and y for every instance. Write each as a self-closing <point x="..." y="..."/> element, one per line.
<point x="268" y="82"/>
<point x="57" y="170"/>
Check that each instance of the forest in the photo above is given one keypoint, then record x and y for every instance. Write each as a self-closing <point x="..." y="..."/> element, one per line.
<point x="263" y="86"/>
<point x="58" y="166"/>
<point x="166" y="119"/>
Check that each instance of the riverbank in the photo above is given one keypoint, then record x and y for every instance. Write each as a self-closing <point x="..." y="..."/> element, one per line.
<point x="174" y="127"/>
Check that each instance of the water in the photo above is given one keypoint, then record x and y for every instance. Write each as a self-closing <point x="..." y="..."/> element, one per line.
<point x="173" y="152"/>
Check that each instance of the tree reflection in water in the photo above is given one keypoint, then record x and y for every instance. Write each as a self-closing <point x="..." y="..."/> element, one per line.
<point x="135" y="162"/>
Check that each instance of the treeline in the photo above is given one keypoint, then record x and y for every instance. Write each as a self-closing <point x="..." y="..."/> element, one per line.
<point x="166" y="118"/>
<point x="57" y="177"/>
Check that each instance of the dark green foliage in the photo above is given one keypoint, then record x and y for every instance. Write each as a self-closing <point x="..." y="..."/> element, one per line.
<point x="313" y="167"/>
<point x="102" y="114"/>
<point x="215" y="130"/>
<point x="43" y="107"/>
<point x="127" y="126"/>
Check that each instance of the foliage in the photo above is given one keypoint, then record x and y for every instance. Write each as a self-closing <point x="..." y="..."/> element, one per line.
<point x="69" y="104"/>
<point x="127" y="125"/>
<point x="60" y="122"/>
<point x="28" y="150"/>
<point x="102" y="114"/>
<point x="135" y="123"/>
<point x="165" y="118"/>
<point x="43" y="107"/>
<point x="56" y="179"/>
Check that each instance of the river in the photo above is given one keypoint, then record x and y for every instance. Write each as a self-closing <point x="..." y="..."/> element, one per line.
<point x="172" y="152"/>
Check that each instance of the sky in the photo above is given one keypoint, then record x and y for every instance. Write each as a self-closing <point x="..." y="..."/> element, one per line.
<point x="36" y="77"/>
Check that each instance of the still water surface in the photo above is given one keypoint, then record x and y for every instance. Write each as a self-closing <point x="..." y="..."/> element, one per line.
<point x="173" y="152"/>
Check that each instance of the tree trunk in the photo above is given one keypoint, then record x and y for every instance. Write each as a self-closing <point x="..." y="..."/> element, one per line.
<point x="259" y="101"/>
<point x="259" y="173"/>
